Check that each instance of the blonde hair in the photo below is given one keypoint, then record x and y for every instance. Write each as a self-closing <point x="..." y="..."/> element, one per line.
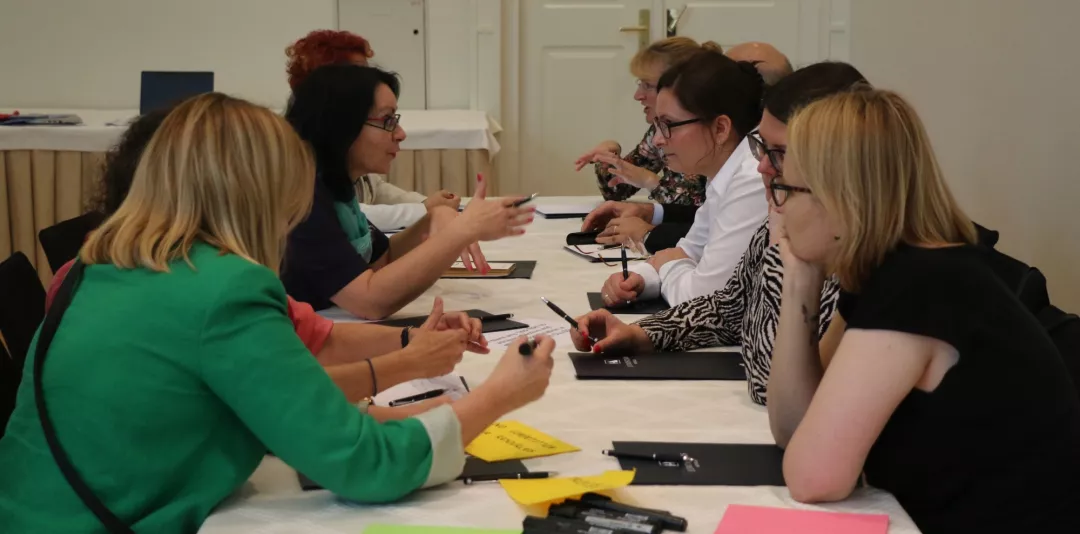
<point x="219" y="170"/>
<point x="866" y="156"/>
<point x="668" y="52"/>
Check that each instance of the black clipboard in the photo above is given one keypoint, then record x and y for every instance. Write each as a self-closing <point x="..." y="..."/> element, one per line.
<point x="638" y="307"/>
<point x="713" y="365"/>
<point x="489" y="327"/>
<point x="522" y="270"/>
<point x="474" y="467"/>
<point x="710" y="464"/>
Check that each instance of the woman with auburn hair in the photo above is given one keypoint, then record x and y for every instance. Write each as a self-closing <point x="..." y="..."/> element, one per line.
<point x="933" y="379"/>
<point x="387" y="205"/>
<point x="177" y="302"/>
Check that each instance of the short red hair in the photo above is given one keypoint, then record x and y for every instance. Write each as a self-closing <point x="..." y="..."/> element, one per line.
<point x="323" y="47"/>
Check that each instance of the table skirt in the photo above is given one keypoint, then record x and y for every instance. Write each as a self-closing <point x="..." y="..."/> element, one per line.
<point x="39" y="188"/>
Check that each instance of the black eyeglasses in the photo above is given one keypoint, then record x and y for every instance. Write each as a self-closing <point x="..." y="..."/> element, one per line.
<point x="780" y="191"/>
<point x="760" y="150"/>
<point x="388" y="123"/>
<point x="665" y="127"/>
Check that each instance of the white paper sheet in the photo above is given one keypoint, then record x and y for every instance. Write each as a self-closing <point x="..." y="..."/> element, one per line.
<point x="453" y="383"/>
<point x="608" y="254"/>
<point x="496" y="265"/>
<point x="556" y="329"/>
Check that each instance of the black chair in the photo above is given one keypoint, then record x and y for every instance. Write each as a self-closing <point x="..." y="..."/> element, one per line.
<point x="22" y="308"/>
<point x="62" y="241"/>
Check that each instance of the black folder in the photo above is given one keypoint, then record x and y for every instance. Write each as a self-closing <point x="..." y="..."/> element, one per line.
<point x="489" y="327"/>
<point x="721" y="365"/>
<point x="710" y="464"/>
<point x="522" y="269"/>
<point x="474" y="467"/>
<point x="637" y="307"/>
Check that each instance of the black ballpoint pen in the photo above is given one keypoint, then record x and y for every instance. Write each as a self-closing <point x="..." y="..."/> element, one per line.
<point x="493" y="318"/>
<point x="658" y="457"/>
<point x="573" y="323"/>
<point x="625" y="270"/>
<point x="417" y="398"/>
<point x="515" y="476"/>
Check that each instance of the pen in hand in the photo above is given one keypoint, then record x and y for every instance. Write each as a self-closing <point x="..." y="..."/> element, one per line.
<point x="625" y="270"/>
<point x="528" y="347"/>
<point x="573" y="323"/>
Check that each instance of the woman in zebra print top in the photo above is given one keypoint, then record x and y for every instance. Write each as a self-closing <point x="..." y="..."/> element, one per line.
<point x="746" y="311"/>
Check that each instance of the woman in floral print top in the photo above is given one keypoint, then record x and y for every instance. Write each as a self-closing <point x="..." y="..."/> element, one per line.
<point x="620" y="177"/>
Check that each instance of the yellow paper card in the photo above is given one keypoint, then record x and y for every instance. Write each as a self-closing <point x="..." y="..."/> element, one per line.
<point x="542" y="490"/>
<point x="511" y="440"/>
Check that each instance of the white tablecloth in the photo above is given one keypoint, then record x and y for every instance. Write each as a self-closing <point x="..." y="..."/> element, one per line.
<point x="449" y="129"/>
<point x="589" y="414"/>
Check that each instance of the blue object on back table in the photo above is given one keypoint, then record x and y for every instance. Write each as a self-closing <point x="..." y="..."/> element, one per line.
<point x="161" y="89"/>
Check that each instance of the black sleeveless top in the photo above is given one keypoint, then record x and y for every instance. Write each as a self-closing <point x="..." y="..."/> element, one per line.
<point x="996" y="446"/>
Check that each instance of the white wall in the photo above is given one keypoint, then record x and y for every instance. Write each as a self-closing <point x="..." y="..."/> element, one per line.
<point x="996" y="83"/>
<point x="89" y="53"/>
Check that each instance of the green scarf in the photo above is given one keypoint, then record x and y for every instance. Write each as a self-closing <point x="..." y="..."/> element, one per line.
<point x="356" y="227"/>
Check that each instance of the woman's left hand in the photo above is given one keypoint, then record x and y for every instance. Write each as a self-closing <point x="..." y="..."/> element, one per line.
<point x="624" y="231"/>
<point x="798" y="274"/>
<point x="473" y="328"/>
<point x="625" y="172"/>
<point x="443" y="198"/>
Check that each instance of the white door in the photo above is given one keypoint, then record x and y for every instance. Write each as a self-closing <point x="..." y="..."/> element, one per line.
<point x="396" y="31"/>
<point x="577" y="89"/>
<point x="777" y="22"/>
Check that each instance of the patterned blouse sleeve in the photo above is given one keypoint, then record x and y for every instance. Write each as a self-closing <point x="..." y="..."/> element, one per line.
<point x="644" y="155"/>
<point x="710" y="320"/>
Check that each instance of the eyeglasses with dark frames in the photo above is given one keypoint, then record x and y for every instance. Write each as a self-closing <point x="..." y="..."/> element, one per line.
<point x="760" y="150"/>
<point x="665" y="127"/>
<point x="781" y="191"/>
<point x="388" y="123"/>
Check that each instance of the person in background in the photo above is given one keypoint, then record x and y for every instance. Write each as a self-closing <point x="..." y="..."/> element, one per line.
<point x="658" y="226"/>
<point x="620" y="177"/>
<point x="770" y="62"/>
<point x="706" y="107"/>
<point x="745" y="312"/>
<point x="386" y="205"/>
<point x="934" y="381"/>
<point x="358" y="357"/>
<point x="197" y="369"/>
<point x="349" y="116"/>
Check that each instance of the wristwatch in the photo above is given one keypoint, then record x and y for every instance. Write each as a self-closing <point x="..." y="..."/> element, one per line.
<point x="364" y="405"/>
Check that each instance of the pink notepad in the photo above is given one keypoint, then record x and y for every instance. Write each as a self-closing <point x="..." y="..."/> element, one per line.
<point x="741" y="519"/>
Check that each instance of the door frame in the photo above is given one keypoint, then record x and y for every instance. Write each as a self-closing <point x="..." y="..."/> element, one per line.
<point x="827" y="31"/>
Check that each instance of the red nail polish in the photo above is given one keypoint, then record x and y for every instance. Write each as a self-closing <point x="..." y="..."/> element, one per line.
<point x="596" y="349"/>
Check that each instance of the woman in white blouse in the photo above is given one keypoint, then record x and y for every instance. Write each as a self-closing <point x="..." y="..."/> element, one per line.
<point x="706" y="106"/>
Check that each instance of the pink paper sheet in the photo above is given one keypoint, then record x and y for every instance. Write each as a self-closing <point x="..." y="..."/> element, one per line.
<point x="742" y="519"/>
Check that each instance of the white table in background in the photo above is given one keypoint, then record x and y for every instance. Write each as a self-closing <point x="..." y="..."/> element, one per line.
<point x="50" y="173"/>
<point x="588" y="414"/>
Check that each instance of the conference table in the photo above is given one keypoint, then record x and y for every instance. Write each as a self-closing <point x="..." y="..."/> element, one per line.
<point x="588" y="414"/>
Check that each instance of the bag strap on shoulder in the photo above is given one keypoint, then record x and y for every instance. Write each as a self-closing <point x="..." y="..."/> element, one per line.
<point x="61" y="301"/>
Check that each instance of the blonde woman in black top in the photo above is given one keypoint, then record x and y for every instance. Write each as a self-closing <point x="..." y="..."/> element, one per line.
<point x="933" y="380"/>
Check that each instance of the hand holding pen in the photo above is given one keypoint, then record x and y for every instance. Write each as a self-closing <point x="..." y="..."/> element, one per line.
<point x="517" y="379"/>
